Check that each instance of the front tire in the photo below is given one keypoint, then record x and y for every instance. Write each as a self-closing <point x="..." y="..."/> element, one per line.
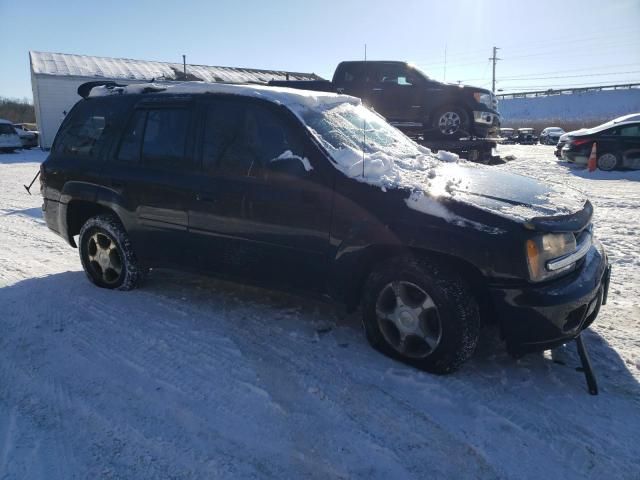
<point x="106" y="254"/>
<point x="421" y="313"/>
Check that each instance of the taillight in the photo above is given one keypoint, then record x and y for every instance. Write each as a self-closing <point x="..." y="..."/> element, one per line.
<point x="580" y="141"/>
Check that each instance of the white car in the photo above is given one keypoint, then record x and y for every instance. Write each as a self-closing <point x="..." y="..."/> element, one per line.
<point x="29" y="138"/>
<point x="9" y="139"/>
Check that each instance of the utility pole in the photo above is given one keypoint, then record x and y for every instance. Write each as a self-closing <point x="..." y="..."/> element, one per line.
<point x="494" y="59"/>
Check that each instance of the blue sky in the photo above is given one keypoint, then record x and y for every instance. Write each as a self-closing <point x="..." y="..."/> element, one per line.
<point x="543" y="43"/>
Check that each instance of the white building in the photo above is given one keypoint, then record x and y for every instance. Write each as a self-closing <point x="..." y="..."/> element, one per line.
<point x="55" y="78"/>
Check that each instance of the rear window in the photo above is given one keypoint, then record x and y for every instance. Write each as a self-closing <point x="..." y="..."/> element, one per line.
<point x="157" y="137"/>
<point x="88" y="127"/>
<point x="6" y="129"/>
<point x="165" y="137"/>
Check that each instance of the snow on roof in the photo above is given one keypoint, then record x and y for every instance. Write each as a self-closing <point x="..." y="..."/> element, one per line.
<point x="64" y="64"/>
<point x="281" y="95"/>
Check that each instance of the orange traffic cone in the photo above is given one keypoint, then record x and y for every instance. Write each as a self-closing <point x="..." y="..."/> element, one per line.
<point x="592" y="165"/>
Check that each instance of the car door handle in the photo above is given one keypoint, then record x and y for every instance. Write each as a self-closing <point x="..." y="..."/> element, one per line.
<point x="376" y="90"/>
<point x="117" y="184"/>
<point x="205" y="198"/>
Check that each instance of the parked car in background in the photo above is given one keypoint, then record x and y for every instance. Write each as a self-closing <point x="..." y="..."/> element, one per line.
<point x="563" y="140"/>
<point x="276" y="186"/>
<point x="9" y="138"/>
<point x="551" y="135"/>
<point x="507" y="136"/>
<point x="526" y="136"/>
<point x="617" y="144"/>
<point x="29" y="138"/>
<point x="411" y="101"/>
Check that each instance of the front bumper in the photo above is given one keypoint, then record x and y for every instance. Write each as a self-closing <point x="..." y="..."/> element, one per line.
<point x="539" y="317"/>
<point x="485" y="123"/>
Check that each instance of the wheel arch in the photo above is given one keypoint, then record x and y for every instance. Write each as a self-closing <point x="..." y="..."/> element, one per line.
<point x="81" y="201"/>
<point x="378" y="254"/>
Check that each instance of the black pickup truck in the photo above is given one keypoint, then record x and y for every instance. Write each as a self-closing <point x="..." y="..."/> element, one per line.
<point x="410" y="100"/>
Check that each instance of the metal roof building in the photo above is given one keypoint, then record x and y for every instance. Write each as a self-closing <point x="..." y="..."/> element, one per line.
<point x="55" y="78"/>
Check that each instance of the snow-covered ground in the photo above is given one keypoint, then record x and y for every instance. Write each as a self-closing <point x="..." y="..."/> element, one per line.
<point x="190" y="377"/>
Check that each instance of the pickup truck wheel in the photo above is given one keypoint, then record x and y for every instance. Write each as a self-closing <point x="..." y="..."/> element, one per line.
<point x="451" y="122"/>
<point x="421" y="313"/>
<point x="106" y="254"/>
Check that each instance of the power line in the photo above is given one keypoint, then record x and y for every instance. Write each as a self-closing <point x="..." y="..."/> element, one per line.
<point x="603" y="67"/>
<point x="557" y="43"/>
<point x="558" y="87"/>
<point x="512" y="79"/>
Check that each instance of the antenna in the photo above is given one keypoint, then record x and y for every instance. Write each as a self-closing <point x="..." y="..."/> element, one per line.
<point x="364" y="123"/>
<point x="445" y="63"/>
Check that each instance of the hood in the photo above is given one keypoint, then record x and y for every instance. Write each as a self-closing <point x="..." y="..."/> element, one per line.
<point x="536" y="205"/>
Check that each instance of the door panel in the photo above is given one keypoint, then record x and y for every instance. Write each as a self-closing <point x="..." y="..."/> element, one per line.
<point x="154" y="170"/>
<point x="252" y="220"/>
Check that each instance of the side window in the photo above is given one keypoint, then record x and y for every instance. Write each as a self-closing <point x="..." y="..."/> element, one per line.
<point x="630" y="131"/>
<point x="394" y="75"/>
<point x="83" y="134"/>
<point x="244" y="140"/>
<point x="165" y="137"/>
<point x="222" y="122"/>
<point x="132" y="138"/>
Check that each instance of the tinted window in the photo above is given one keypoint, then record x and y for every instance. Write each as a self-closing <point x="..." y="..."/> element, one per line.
<point x="165" y="137"/>
<point x="132" y="138"/>
<point x="221" y="128"/>
<point x="6" y="129"/>
<point x="89" y="125"/>
<point x="392" y="74"/>
<point x="243" y="140"/>
<point x="630" y="131"/>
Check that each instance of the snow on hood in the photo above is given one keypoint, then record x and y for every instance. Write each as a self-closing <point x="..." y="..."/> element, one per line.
<point x="366" y="148"/>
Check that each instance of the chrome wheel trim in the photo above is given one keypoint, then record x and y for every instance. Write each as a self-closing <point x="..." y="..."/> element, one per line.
<point x="449" y="123"/>
<point x="607" y="161"/>
<point x="408" y="319"/>
<point x="104" y="258"/>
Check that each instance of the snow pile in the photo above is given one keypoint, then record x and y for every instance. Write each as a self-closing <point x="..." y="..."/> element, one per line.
<point x="190" y="377"/>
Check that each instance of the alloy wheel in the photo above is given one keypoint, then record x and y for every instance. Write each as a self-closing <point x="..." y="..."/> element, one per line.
<point x="607" y="161"/>
<point x="449" y="123"/>
<point x="104" y="258"/>
<point x="408" y="319"/>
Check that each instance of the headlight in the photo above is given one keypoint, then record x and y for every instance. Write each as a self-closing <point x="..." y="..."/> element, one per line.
<point x="545" y="248"/>
<point x="484" y="98"/>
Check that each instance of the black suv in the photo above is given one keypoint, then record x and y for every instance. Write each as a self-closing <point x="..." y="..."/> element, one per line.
<point x="276" y="186"/>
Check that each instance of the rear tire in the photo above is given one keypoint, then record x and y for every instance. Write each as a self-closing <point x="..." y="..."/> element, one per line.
<point x="608" y="161"/>
<point x="434" y="322"/>
<point x="106" y="254"/>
